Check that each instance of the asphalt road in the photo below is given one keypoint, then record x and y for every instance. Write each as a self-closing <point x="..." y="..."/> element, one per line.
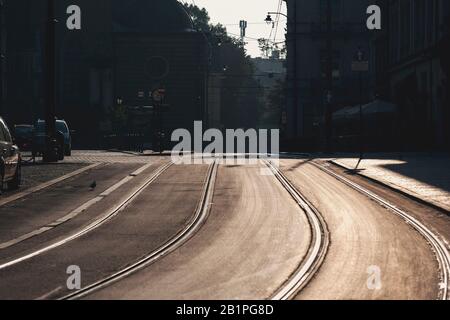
<point x="41" y="208"/>
<point x="363" y="235"/>
<point x="253" y="241"/>
<point x="149" y="221"/>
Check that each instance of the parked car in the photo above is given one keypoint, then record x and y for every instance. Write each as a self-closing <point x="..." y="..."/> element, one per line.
<point x="10" y="159"/>
<point x="23" y="135"/>
<point x="64" y="139"/>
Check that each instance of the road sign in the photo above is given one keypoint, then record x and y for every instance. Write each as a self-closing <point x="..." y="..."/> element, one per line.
<point x="158" y="95"/>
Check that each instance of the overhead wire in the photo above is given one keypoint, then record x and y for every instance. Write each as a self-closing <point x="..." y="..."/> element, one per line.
<point x="280" y="4"/>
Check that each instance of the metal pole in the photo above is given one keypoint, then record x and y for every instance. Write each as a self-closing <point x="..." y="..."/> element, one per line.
<point x="1" y="56"/>
<point x="361" y="118"/>
<point x="329" y="111"/>
<point x="431" y="134"/>
<point x="296" y="122"/>
<point x="50" y="145"/>
<point x="160" y="125"/>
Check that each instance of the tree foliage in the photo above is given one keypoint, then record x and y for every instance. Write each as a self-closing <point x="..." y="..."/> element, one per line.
<point x="229" y="60"/>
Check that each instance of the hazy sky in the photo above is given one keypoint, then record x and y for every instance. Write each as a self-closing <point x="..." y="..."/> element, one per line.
<point x="230" y="12"/>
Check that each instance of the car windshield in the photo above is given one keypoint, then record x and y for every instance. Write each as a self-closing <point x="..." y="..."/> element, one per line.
<point x="23" y="131"/>
<point x="40" y="127"/>
<point x="60" y="126"/>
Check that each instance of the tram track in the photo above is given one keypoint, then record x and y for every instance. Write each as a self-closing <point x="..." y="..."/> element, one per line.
<point x="104" y="218"/>
<point x="437" y="245"/>
<point x="319" y="242"/>
<point x="191" y="228"/>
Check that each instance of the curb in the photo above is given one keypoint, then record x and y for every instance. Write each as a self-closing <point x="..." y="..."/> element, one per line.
<point x="138" y="154"/>
<point x="134" y="153"/>
<point x="404" y="193"/>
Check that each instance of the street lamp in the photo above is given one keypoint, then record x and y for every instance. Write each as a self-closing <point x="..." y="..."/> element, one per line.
<point x="51" y="145"/>
<point x="329" y="77"/>
<point x="269" y="16"/>
<point x="293" y="23"/>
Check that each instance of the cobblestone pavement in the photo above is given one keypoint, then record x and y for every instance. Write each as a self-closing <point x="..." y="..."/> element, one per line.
<point x="108" y="157"/>
<point x="95" y="156"/>
<point x="424" y="176"/>
<point x="36" y="173"/>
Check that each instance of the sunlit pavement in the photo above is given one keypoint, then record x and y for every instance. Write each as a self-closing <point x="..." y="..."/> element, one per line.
<point x="252" y="241"/>
<point x="422" y="175"/>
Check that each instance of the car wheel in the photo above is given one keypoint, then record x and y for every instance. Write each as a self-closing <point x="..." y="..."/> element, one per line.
<point x="15" y="182"/>
<point x="61" y="153"/>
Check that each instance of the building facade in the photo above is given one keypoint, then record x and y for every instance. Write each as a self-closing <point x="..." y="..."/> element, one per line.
<point x="269" y="73"/>
<point x="412" y="67"/>
<point x="311" y="96"/>
<point x="2" y="51"/>
<point x="124" y="51"/>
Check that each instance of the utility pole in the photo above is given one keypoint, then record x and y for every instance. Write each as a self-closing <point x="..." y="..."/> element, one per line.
<point x="329" y="79"/>
<point x="296" y="100"/>
<point x="50" y="153"/>
<point x="2" y="57"/>
<point x="292" y="37"/>
<point x="158" y="104"/>
<point x="361" y="118"/>
<point x="360" y="65"/>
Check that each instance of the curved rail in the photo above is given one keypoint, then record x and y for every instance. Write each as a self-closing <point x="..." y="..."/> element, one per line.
<point x="198" y="220"/>
<point x="319" y="243"/>
<point x="438" y="246"/>
<point x="94" y="225"/>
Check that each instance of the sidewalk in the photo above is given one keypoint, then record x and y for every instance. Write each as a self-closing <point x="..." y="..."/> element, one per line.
<point x="422" y="176"/>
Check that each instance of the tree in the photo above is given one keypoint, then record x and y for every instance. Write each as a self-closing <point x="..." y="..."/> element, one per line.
<point x="265" y="47"/>
<point x="200" y="17"/>
<point x="268" y="47"/>
<point x="230" y="60"/>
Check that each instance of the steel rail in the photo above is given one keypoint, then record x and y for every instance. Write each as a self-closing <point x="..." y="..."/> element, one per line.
<point x="200" y="217"/>
<point x="94" y="225"/>
<point x="319" y="242"/>
<point x="435" y="242"/>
